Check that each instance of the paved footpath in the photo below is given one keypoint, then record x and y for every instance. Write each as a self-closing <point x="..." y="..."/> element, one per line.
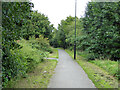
<point x="68" y="74"/>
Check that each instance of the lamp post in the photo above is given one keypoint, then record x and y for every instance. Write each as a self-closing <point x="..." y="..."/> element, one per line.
<point x="75" y="31"/>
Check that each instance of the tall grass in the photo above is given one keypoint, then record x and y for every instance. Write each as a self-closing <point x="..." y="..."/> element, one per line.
<point x="110" y="66"/>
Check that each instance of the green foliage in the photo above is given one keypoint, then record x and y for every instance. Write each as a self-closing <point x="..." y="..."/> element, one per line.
<point x="53" y="41"/>
<point x="23" y="60"/>
<point x="13" y="17"/>
<point x="36" y="25"/>
<point x="86" y="55"/>
<point x="32" y="55"/>
<point x="54" y="53"/>
<point x="16" y="66"/>
<point x="39" y="78"/>
<point x="101" y="24"/>
<point x="97" y="33"/>
<point x="109" y="66"/>
<point x="41" y="43"/>
<point x="19" y="21"/>
<point x="64" y="36"/>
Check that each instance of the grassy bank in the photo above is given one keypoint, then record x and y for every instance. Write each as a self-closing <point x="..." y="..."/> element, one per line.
<point x="39" y="77"/>
<point x="32" y="69"/>
<point x="101" y="77"/>
<point x="110" y="66"/>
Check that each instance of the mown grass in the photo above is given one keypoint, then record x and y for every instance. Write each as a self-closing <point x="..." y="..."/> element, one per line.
<point x="99" y="76"/>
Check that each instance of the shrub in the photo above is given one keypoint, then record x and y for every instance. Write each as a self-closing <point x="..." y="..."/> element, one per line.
<point x="32" y="55"/>
<point x="16" y="66"/>
<point x="21" y="61"/>
<point x="40" y="43"/>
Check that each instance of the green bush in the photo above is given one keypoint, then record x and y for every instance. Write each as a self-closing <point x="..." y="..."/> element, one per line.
<point x="22" y="60"/>
<point x="40" y="43"/>
<point x="17" y="22"/>
<point x="31" y="54"/>
<point x="101" y="25"/>
<point x="17" y="66"/>
<point x="86" y="55"/>
<point x="13" y="17"/>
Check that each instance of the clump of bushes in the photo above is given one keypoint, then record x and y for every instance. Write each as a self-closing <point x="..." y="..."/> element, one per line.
<point x="86" y="55"/>
<point x="32" y="55"/>
<point x="40" y="43"/>
<point x="23" y="60"/>
<point x="18" y="57"/>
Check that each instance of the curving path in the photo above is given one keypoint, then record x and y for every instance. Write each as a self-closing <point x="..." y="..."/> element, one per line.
<point x="68" y="74"/>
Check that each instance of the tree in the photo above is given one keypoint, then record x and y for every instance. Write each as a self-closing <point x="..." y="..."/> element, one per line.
<point x="64" y="36"/>
<point x="41" y="25"/>
<point x="101" y="24"/>
<point x="14" y="15"/>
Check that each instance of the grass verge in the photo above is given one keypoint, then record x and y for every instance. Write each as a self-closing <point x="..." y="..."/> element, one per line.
<point x="39" y="78"/>
<point x="54" y="54"/>
<point x="109" y="66"/>
<point x="98" y="75"/>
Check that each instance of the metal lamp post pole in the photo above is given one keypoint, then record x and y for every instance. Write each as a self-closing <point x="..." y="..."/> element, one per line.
<point x="75" y="31"/>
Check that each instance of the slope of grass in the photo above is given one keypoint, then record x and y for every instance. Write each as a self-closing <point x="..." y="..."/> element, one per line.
<point x="98" y="75"/>
<point x="110" y="66"/>
<point x="39" y="78"/>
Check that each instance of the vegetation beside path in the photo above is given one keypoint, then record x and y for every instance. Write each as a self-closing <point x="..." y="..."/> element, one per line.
<point x="54" y="53"/>
<point x="28" y="34"/>
<point x="38" y="70"/>
<point x="39" y="78"/>
<point x="101" y="77"/>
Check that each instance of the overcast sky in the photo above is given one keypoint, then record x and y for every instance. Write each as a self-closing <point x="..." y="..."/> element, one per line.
<point x="56" y="10"/>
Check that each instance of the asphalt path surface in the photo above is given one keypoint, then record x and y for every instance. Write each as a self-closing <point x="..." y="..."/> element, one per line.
<point x="68" y="74"/>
